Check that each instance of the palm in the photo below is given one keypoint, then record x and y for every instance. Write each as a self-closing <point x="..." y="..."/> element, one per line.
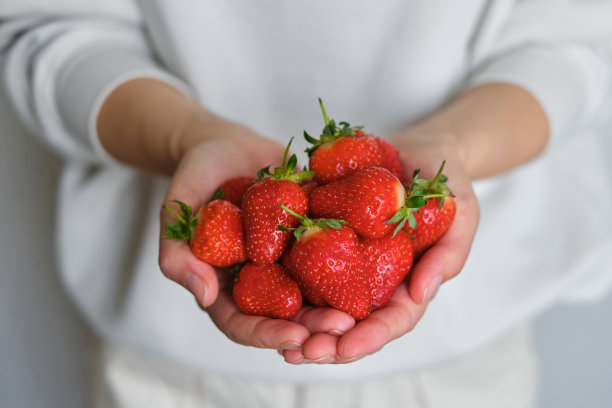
<point x="445" y="259"/>
<point x="199" y="173"/>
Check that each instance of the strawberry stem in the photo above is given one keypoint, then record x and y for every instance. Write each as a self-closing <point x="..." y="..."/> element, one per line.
<point x="325" y="118"/>
<point x="287" y="169"/>
<point x="307" y="223"/>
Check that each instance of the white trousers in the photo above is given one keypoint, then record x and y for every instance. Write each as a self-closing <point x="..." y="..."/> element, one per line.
<point x="503" y="375"/>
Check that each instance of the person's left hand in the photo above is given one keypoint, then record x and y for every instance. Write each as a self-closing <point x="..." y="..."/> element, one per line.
<point x="439" y="264"/>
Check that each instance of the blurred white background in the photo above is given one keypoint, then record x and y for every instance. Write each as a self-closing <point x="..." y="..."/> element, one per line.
<point x="44" y="346"/>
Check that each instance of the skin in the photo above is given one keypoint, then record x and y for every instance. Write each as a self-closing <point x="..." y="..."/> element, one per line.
<point x="154" y="128"/>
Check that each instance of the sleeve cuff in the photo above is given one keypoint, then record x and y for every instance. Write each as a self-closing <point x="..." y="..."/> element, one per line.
<point x="554" y="76"/>
<point x="87" y="82"/>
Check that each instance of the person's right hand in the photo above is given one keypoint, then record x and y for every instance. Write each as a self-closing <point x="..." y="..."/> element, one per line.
<point x="223" y="150"/>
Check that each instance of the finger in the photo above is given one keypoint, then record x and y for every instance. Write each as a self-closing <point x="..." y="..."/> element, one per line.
<point x="293" y="356"/>
<point x="382" y="326"/>
<point x="446" y="257"/>
<point x="321" y="348"/>
<point x="325" y="320"/>
<point x="256" y="331"/>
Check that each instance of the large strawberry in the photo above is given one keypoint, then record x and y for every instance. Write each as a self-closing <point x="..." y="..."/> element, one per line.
<point x="267" y="291"/>
<point x="326" y="256"/>
<point x="215" y="233"/>
<point x="265" y="243"/>
<point x="389" y="259"/>
<point x="233" y="190"/>
<point x="367" y="200"/>
<point x="433" y="218"/>
<point x="340" y="150"/>
<point x="312" y="296"/>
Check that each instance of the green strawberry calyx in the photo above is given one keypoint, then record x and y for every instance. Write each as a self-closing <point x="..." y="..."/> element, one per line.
<point x="331" y="131"/>
<point x="308" y="223"/>
<point x="185" y="223"/>
<point x="418" y="193"/>
<point x="287" y="169"/>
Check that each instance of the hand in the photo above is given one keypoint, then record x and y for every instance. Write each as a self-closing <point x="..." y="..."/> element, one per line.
<point x="418" y="149"/>
<point x="220" y="150"/>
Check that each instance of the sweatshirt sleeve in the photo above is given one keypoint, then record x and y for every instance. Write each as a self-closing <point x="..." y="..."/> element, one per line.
<point x="559" y="51"/>
<point x="58" y="70"/>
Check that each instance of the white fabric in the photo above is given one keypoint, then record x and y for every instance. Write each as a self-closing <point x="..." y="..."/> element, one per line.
<point x="383" y="64"/>
<point x="502" y="376"/>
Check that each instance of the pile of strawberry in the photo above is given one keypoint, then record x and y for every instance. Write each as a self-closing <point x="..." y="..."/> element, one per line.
<point x="343" y="234"/>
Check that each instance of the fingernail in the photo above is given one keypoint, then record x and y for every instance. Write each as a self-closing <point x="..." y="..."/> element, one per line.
<point x="323" y="360"/>
<point x="290" y="345"/>
<point x="431" y="289"/>
<point x="335" y="332"/>
<point x="357" y="357"/>
<point x="196" y="285"/>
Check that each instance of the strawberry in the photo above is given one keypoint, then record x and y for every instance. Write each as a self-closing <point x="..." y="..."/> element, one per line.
<point x="340" y="151"/>
<point x="308" y="293"/>
<point x="215" y="233"/>
<point x="326" y="256"/>
<point x="233" y="190"/>
<point x="390" y="159"/>
<point x="265" y="243"/>
<point x="389" y="259"/>
<point x="367" y="200"/>
<point x="267" y="291"/>
<point x="433" y="218"/>
<point x="309" y="186"/>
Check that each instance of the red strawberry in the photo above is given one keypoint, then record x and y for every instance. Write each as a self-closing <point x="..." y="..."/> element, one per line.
<point x="326" y="256"/>
<point x="215" y="234"/>
<point x="309" y="186"/>
<point x="432" y="219"/>
<point x="265" y="243"/>
<point x="367" y="200"/>
<point x="390" y="159"/>
<point x="267" y="291"/>
<point x="389" y="259"/>
<point x="233" y="190"/>
<point x="308" y="293"/>
<point x="340" y="151"/>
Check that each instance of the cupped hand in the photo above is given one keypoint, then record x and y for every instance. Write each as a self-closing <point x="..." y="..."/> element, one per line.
<point x="219" y="151"/>
<point x="443" y="261"/>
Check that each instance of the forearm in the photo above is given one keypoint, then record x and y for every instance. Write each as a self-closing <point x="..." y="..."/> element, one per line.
<point x="494" y="128"/>
<point x="148" y="124"/>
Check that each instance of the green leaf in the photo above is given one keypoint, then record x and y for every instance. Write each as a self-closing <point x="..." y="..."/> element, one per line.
<point x="412" y="223"/>
<point x="416" y="202"/>
<point x="310" y="139"/>
<point x="264" y="172"/>
<point x="335" y="224"/>
<point x="187" y="211"/>
<point x="398" y="216"/>
<point x="219" y="194"/>
<point x="292" y="164"/>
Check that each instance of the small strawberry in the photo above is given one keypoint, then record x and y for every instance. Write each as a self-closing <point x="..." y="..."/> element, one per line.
<point x="308" y="186"/>
<point x="233" y="190"/>
<point x="267" y="291"/>
<point x="341" y="150"/>
<point x="326" y="257"/>
<point x="433" y="218"/>
<point x="367" y="200"/>
<point x="390" y="159"/>
<point x="265" y="243"/>
<point x="389" y="259"/>
<point x="215" y="234"/>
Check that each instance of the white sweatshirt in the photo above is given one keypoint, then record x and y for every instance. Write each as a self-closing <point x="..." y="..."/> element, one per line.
<point x="545" y="231"/>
